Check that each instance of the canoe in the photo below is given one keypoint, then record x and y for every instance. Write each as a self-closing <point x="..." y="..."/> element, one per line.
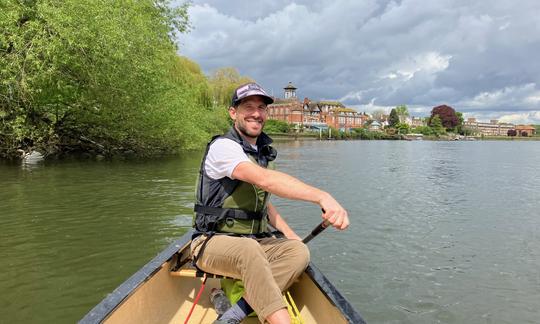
<point x="163" y="291"/>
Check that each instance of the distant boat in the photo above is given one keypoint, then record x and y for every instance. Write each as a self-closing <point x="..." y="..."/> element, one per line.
<point x="163" y="291"/>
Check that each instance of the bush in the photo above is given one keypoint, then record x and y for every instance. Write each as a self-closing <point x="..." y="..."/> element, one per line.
<point x="366" y="134"/>
<point x="425" y="130"/>
<point x="276" y="126"/>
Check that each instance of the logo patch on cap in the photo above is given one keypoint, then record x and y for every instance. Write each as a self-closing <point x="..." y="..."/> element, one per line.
<point x="250" y="89"/>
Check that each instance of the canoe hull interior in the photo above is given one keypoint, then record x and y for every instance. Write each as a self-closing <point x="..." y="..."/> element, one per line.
<point x="157" y="296"/>
<point x="167" y="299"/>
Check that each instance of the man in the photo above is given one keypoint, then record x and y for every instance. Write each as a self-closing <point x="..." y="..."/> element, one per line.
<point x="233" y="210"/>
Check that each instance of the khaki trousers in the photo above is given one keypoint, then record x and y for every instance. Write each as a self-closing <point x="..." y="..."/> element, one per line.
<point x="267" y="266"/>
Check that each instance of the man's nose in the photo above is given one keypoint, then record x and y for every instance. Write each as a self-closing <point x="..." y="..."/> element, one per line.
<point x="258" y="113"/>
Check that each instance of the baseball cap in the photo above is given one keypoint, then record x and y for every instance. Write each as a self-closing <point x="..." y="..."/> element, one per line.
<point x="248" y="90"/>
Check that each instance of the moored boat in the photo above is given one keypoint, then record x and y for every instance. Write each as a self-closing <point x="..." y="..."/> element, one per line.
<point x="164" y="290"/>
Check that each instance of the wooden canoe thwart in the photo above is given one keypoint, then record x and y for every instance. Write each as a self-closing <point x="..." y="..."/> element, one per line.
<point x="163" y="291"/>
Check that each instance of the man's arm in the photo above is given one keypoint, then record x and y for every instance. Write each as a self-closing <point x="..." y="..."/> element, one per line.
<point x="280" y="224"/>
<point x="286" y="186"/>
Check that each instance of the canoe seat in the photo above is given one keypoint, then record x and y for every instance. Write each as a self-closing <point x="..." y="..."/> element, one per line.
<point x="188" y="270"/>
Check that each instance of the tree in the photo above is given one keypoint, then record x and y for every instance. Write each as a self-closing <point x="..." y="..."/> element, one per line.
<point x="402" y="111"/>
<point x="460" y="118"/>
<point x="459" y="127"/>
<point x="99" y="75"/>
<point x="436" y="125"/>
<point x="537" y="130"/>
<point x="447" y="116"/>
<point x="223" y="81"/>
<point x="402" y="128"/>
<point x="393" y="119"/>
<point x="426" y="130"/>
<point x="511" y="132"/>
<point x="467" y="131"/>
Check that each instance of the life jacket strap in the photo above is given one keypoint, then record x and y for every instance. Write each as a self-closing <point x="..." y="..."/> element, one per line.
<point x="233" y="213"/>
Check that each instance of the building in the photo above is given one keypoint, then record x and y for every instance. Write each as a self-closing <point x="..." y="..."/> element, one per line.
<point x="314" y="114"/>
<point x="417" y="122"/>
<point x="525" y="130"/>
<point x="375" y="126"/>
<point x="493" y="128"/>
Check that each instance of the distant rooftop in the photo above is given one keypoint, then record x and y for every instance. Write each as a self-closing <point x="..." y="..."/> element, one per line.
<point x="330" y="103"/>
<point x="290" y="86"/>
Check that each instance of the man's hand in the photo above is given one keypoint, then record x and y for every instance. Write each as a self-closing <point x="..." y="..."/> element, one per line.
<point x="285" y="186"/>
<point x="333" y="212"/>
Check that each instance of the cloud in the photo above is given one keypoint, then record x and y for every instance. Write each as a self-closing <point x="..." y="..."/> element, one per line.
<point x="527" y="97"/>
<point x="478" y="57"/>
<point x="522" y="118"/>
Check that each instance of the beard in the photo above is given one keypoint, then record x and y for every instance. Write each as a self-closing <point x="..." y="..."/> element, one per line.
<point x="241" y="127"/>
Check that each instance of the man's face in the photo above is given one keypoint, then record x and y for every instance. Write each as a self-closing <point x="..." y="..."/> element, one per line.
<point x="249" y="116"/>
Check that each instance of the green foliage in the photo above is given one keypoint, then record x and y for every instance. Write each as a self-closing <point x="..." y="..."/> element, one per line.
<point x="393" y="119"/>
<point x="460" y="118"/>
<point x="402" y="110"/>
<point x="426" y="130"/>
<point x="402" y="128"/>
<point x="223" y="82"/>
<point x="99" y="75"/>
<point x="276" y="126"/>
<point x="437" y="126"/>
<point x="331" y="132"/>
<point x="365" y="134"/>
<point x="537" y="130"/>
<point x="468" y="131"/>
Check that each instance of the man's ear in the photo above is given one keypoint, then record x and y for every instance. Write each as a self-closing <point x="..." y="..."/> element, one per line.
<point x="232" y="113"/>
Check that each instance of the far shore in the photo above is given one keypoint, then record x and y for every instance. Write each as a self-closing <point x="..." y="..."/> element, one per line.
<point x="315" y="136"/>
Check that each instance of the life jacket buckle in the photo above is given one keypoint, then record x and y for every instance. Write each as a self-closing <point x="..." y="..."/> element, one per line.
<point x="229" y="221"/>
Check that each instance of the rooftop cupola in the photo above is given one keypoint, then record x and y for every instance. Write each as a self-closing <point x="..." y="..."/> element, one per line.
<point x="290" y="91"/>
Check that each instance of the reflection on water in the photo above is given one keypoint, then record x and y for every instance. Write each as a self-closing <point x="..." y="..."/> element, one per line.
<point x="441" y="231"/>
<point x="73" y="231"/>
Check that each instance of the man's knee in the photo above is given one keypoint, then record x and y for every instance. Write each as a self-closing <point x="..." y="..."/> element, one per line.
<point x="253" y="255"/>
<point x="299" y="254"/>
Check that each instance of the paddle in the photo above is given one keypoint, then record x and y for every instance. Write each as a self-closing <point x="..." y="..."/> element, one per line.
<point x="316" y="231"/>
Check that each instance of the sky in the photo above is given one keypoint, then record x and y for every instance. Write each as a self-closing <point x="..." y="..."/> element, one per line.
<point x="480" y="57"/>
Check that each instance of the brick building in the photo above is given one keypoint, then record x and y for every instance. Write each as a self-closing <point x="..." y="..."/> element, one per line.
<point x="525" y="130"/>
<point x="314" y="114"/>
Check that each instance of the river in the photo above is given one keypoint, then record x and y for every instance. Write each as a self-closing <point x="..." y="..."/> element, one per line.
<point x="442" y="232"/>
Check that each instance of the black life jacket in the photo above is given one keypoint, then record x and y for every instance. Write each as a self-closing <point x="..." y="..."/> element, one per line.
<point x="233" y="206"/>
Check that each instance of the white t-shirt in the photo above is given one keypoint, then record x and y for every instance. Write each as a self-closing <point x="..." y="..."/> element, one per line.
<point x="223" y="156"/>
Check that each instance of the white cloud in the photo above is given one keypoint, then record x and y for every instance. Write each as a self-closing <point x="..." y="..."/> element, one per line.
<point x="526" y="97"/>
<point x="522" y="118"/>
<point x="478" y="57"/>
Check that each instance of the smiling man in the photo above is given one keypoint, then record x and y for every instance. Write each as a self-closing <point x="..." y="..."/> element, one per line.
<point x="233" y="212"/>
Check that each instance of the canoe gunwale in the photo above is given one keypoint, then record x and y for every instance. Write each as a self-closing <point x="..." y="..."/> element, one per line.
<point x="102" y="310"/>
<point x="331" y="292"/>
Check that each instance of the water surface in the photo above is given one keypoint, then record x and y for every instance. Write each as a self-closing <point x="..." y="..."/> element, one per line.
<point x="442" y="232"/>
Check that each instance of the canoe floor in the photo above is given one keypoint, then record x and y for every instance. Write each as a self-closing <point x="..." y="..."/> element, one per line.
<point x="164" y="298"/>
